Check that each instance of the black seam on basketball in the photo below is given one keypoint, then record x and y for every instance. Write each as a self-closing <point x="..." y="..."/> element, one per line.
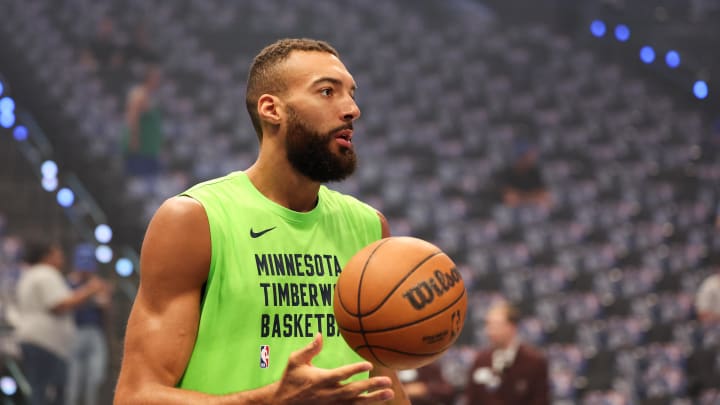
<point x="342" y="304"/>
<point x="434" y="314"/>
<point x="409" y="273"/>
<point x="360" y="285"/>
<point x="369" y="347"/>
<point x="337" y="290"/>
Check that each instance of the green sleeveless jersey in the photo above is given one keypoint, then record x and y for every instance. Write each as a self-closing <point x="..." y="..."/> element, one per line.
<point x="271" y="283"/>
<point x="151" y="133"/>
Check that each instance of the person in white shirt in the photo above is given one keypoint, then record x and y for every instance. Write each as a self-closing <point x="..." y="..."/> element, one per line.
<point x="707" y="300"/>
<point x="46" y="329"/>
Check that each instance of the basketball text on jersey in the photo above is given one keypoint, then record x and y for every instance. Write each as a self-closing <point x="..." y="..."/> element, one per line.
<point x="297" y="280"/>
<point x="298" y="325"/>
<point x="425" y="291"/>
<point x="297" y="264"/>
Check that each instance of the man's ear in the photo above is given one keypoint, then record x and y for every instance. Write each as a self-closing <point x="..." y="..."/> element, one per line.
<point x="269" y="109"/>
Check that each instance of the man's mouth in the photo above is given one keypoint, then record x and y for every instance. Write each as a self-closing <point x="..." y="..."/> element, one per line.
<point x="344" y="137"/>
<point x="345" y="134"/>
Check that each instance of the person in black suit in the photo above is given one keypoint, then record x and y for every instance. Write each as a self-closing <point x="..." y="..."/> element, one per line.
<point x="509" y="372"/>
<point x="522" y="183"/>
<point x="427" y="385"/>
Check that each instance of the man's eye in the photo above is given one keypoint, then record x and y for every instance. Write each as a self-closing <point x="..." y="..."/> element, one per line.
<point x="326" y="92"/>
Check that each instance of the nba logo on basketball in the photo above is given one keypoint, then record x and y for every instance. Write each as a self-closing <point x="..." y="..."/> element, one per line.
<point x="264" y="356"/>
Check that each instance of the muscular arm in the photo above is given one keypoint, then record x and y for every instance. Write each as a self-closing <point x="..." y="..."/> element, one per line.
<point x="401" y="396"/>
<point x="163" y="324"/>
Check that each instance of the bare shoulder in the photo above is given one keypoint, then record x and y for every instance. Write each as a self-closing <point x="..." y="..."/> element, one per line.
<point x="182" y="206"/>
<point x="177" y="242"/>
<point x="384" y="224"/>
<point x="183" y="214"/>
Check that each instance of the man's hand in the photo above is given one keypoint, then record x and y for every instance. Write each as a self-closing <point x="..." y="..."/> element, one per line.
<point x="303" y="383"/>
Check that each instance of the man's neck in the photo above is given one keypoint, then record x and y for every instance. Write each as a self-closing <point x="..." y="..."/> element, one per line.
<point x="511" y="344"/>
<point x="277" y="180"/>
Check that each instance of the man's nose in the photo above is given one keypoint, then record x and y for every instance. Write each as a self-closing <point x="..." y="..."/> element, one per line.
<point x="351" y="112"/>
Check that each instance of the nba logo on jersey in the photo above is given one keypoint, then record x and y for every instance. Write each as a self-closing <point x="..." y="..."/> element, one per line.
<point x="264" y="356"/>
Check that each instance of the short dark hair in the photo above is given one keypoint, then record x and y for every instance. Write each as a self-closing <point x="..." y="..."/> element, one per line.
<point x="36" y="250"/>
<point x="512" y="313"/>
<point x="264" y="74"/>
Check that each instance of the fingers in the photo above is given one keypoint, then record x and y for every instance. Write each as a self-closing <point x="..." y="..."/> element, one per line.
<point x="376" y="396"/>
<point x="307" y="353"/>
<point x="329" y="383"/>
<point x="359" y="392"/>
<point x="372" y="389"/>
<point x="344" y="372"/>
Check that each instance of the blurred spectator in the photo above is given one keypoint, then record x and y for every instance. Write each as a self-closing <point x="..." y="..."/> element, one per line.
<point x="46" y="330"/>
<point x="103" y="51"/>
<point x="707" y="300"/>
<point x="144" y="137"/>
<point x="139" y="49"/>
<point x="710" y="144"/>
<point x="509" y="372"/>
<point x="88" y="362"/>
<point x="427" y="385"/>
<point x="522" y="183"/>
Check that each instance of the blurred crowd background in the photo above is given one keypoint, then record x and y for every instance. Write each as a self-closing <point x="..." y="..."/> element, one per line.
<point x="566" y="155"/>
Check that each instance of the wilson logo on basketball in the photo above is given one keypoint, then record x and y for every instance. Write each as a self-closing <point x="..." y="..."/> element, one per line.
<point x="425" y="292"/>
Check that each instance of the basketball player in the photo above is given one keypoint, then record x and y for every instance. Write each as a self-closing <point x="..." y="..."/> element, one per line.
<point x="235" y="299"/>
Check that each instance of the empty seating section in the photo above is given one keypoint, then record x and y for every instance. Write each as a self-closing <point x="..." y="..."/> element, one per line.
<point x="606" y="276"/>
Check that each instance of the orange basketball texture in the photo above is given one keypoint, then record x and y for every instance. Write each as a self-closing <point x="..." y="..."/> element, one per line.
<point x="400" y="302"/>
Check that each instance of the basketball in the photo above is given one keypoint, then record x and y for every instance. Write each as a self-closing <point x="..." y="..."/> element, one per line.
<point x="400" y="302"/>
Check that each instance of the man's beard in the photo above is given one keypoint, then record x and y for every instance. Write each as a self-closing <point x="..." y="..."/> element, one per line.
<point x="309" y="152"/>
